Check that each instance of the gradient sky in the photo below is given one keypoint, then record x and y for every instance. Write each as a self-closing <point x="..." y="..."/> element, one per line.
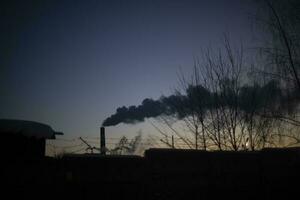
<point x="70" y="64"/>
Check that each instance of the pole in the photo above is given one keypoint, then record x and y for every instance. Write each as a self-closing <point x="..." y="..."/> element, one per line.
<point x="173" y="146"/>
<point x="196" y="135"/>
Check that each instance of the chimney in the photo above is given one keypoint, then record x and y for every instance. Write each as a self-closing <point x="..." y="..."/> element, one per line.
<point x="102" y="141"/>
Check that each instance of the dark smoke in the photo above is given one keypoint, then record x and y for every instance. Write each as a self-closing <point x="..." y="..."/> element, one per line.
<point x="149" y="108"/>
<point x="132" y="114"/>
<point x="177" y="105"/>
<point x="198" y="99"/>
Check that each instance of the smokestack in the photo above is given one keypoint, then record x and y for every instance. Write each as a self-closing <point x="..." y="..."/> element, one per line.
<point x="102" y="141"/>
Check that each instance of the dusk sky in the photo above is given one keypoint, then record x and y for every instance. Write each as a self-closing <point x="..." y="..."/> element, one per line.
<point x="70" y="64"/>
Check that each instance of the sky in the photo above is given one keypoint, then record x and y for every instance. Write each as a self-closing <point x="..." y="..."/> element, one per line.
<point x="70" y="64"/>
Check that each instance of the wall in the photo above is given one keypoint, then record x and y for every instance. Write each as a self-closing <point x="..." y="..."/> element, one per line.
<point x="163" y="174"/>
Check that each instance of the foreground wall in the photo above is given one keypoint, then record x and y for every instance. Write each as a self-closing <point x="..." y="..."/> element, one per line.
<point x="161" y="174"/>
<point x="267" y="174"/>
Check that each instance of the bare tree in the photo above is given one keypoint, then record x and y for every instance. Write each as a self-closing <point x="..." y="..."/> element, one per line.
<point x="127" y="147"/>
<point x="281" y="19"/>
<point x="209" y="107"/>
<point x="222" y="111"/>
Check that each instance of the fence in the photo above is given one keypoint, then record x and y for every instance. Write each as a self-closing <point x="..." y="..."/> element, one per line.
<point x="78" y="146"/>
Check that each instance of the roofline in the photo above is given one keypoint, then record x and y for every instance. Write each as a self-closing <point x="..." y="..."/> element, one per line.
<point x="58" y="133"/>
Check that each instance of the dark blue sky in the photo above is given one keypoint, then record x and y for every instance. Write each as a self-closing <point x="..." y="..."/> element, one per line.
<point x="70" y="64"/>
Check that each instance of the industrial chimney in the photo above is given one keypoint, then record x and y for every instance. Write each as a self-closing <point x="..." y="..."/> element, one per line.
<point x="102" y="141"/>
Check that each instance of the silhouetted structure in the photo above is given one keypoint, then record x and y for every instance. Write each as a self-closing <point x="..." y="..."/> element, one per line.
<point x="21" y="139"/>
<point x="102" y="141"/>
<point x="162" y="174"/>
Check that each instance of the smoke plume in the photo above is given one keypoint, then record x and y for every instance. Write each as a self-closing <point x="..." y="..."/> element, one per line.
<point x="197" y="100"/>
<point x="172" y="105"/>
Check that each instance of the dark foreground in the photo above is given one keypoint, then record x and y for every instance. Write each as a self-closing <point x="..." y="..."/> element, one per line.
<point x="161" y="174"/>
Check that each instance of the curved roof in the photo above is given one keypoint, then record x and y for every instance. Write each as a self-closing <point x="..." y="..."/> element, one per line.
<point x="27" y="128"/>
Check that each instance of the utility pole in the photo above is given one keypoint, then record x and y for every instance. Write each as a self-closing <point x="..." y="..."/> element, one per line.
<point x="173" y="146"/>
<point x="196" y="135"/>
